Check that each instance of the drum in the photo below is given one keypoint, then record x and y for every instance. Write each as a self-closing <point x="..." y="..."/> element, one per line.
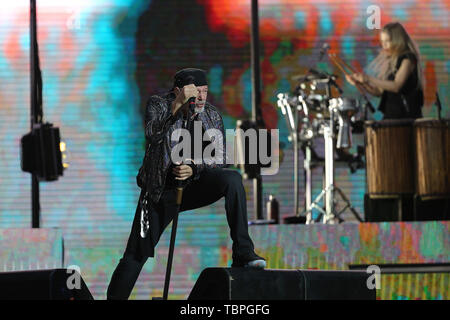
<point x="390" y="157"/>
<point x="345" y="108"/>
<point x="432" y="139"/>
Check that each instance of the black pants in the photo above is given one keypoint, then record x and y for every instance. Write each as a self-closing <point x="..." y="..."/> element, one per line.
<point x="212" y="185"/>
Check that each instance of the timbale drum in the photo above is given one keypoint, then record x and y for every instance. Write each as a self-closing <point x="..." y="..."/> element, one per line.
<point x="432" y="170"/>
<point x="390" y="157"/>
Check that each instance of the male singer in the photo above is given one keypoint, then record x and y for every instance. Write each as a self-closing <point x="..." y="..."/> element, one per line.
<point x="205" y="181"/>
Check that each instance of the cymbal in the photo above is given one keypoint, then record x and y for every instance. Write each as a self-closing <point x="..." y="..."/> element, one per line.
<point x="312" y="77"/>
<point x="305" y="77"/>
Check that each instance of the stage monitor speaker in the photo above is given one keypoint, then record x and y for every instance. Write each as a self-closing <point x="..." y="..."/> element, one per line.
<point x="272" y="284"/>
<point x="54" y="284"/>
<point x="389" y="208"/>
<point x="432" y="208"/>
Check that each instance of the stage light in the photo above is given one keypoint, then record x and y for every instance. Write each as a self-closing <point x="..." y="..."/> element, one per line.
<point x="63" y="148"/>
<point x="41" y="152"/>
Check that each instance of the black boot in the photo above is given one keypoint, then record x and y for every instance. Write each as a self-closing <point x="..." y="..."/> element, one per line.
<point x="124" y="278"/>
<point x="251" y="260"/>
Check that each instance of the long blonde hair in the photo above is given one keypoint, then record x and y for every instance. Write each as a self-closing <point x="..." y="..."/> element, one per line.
<point x="402" y="43"/>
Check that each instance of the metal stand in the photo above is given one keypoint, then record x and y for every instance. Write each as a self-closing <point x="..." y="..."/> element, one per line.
<point x="256" y="99"/>
<point x="36" y="109"/>
<point x="187" y="123"/>
<point x="329" y="215"/>
<point x="308" y="183"/>
<point x="296" y="162"/>
<point x="171" y="248"/>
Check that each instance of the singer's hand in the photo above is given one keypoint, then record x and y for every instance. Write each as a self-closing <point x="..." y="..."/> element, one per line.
<point x="183" y="95"/>
<point x="182" y="172"/>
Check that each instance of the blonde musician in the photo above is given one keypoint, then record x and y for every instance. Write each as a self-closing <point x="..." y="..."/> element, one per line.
<point x="398" y="77"/>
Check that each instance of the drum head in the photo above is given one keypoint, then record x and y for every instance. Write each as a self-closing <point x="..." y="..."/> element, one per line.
<point x="389" y="123"/>
<point x="430" y="122"/>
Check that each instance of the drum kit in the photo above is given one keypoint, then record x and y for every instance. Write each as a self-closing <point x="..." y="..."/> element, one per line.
<point x="311" y="113"/>
<point x="404" y="156"/>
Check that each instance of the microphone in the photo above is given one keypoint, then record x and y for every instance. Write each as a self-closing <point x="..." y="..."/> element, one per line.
<point x="191" y="103"/>
<point x="324" y="49"/>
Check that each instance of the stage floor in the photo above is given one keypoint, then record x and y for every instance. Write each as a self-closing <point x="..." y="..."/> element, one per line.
<point x="318" y="246"/>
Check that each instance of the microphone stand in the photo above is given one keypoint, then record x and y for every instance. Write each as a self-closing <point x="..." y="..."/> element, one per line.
<point x="438" y="105"/>
<point x="179" y="197"/>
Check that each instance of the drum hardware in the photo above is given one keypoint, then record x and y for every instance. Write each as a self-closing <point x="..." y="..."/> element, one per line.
<point x="305" y="136"/>
<point x="286" y="110"/>
<point x="357" y="162"/>
<point x="330" y="215"/>
<point x="284" y="102"/>
<point x="308" y="181"/>
<point x="345" y="109"/>
<point x="329" y="79"/>
<point x="342" y="109"/>
<point x="307" y="131"/>
<point x="312" y="76"/>
<point x="299" y="102"/>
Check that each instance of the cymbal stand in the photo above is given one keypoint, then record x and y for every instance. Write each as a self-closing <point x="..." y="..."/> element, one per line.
<point x="292" y="124"/>
<point x="308" y="183"/>
<point x="296" y="162"/>
<point x="329" y="215"/>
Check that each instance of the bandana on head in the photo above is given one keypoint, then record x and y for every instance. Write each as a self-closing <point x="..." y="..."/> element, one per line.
<point x="190" y="76"/>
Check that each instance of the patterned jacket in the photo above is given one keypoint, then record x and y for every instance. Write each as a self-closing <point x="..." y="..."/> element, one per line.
<point x="159" y="126"/>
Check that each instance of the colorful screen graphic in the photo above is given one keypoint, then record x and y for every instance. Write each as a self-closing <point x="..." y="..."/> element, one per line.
<point x="101" y="60"/>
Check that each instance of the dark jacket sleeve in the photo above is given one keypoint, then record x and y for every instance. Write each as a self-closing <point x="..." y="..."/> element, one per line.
<point x="158" y="119"/>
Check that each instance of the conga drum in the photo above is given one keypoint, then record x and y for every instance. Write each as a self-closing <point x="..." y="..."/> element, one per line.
<point x="432" y="137"/>
<point x="390" y="157"/>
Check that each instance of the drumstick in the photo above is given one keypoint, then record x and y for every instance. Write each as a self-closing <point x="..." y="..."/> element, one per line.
<point x="333" y="59"/>
<point x="336" y="63"/>
<point x="357" y="85"/>
<point x="339" y="62"/>
<point x="345" y="64"/>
